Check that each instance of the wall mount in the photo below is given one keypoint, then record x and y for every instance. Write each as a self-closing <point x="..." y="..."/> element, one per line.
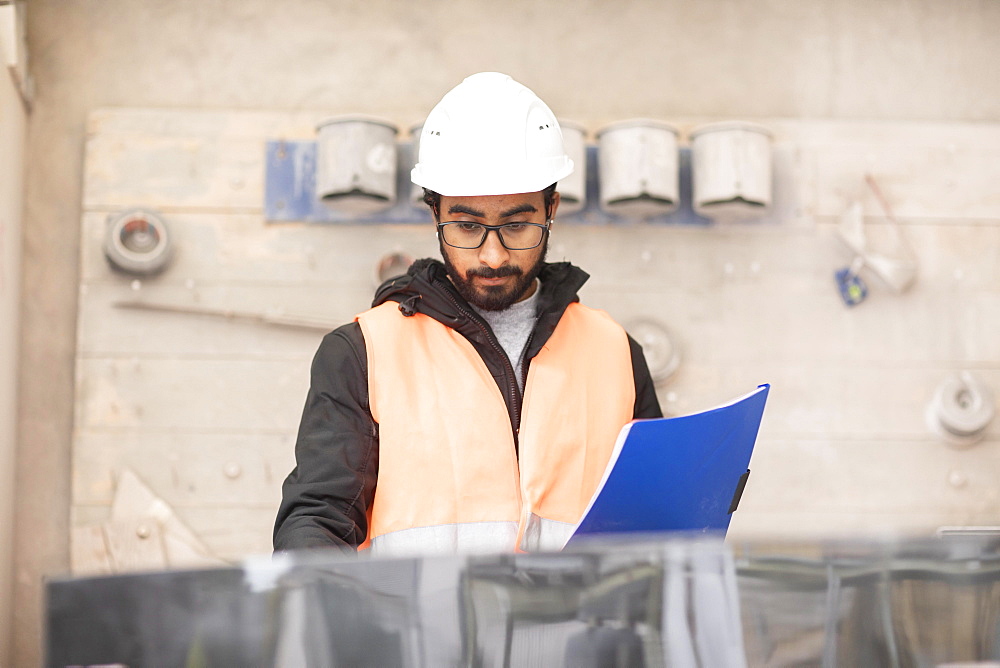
<point x="290" y="192"/>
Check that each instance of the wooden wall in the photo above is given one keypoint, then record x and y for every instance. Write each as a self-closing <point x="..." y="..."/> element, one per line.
<point x="205" y="409"/>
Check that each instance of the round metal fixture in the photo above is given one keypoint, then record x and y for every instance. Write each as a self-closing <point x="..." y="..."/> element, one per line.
<point x="138" y="242"/>
<point x="961" y="409"/>
<point x="662" y="356"/>
<point x="391" y="265"/>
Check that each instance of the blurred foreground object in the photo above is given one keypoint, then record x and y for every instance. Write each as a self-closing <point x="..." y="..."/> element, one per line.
<point x="678" y="602"/>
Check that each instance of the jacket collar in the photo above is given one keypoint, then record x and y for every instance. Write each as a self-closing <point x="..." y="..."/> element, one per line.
<point x="426" y="289"/>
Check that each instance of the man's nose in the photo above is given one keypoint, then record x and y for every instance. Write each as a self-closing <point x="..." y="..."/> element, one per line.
<point x="492" y="253"/>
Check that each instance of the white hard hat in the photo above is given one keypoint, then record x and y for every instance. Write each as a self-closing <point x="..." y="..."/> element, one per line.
<point x="490" y="135"/>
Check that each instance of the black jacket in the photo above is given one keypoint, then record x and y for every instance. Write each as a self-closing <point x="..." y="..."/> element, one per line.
<point x="326" y="497"/>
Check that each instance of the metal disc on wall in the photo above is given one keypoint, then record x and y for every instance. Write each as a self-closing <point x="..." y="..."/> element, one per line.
<point x="391" y="265"/>
<point x="961" y="409"/>
<point x="662" y="356"/>
<point x="138" y="242"/>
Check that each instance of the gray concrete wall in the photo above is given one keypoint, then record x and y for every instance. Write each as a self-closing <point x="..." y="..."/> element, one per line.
<point x="12" y="125"/>
<point x="593" y="61"/>
<point x="13" y="119"/>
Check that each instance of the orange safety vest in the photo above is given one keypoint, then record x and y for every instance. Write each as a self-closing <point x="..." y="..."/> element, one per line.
<point x="449" y="479"/>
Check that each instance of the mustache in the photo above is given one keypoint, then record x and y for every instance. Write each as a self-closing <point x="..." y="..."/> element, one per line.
<point x="499" y="272"/>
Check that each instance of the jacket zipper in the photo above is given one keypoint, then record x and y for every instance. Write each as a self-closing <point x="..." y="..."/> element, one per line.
<point x="509" y="368"/>
<point x="515" y="408"/>
<point x="524" y="364"/>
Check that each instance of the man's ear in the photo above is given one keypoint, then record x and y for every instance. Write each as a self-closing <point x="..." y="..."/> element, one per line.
<point x="554" y="205"/>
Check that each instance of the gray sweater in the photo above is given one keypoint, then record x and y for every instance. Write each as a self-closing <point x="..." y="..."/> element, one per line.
<point x="512" y="326"/>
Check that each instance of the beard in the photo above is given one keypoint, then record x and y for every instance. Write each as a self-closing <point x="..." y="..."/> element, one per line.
<point x="494" y="297"/>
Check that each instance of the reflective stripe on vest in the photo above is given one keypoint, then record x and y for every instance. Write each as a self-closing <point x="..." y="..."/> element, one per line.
<point x="449" y="478"/>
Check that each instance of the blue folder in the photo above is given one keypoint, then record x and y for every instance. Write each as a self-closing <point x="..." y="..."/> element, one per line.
<point x="682" y="473"/>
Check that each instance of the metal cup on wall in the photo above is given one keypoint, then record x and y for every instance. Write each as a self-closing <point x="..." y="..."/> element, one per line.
<point x="356" y="164"/>
<point x="638" y="168"/>
<point x="416" y="192"/>
<point x="573" y="188"/>
<point x="731" y="170"/>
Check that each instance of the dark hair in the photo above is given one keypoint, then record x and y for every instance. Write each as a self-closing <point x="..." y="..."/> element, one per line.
<point x="433" y="200"/>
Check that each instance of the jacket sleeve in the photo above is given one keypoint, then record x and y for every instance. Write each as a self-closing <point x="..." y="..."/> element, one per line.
<point x="646" y="403"/>
<point x="326" y="497"/>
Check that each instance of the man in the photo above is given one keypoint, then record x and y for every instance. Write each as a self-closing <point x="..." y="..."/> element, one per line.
<point x="475" y="406"/>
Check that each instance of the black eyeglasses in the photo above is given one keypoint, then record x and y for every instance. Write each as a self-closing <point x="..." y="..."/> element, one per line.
<point x="513" y="236"/>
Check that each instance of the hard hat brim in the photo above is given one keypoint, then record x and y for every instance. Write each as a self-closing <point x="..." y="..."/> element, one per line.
<point x="534" y="177"/>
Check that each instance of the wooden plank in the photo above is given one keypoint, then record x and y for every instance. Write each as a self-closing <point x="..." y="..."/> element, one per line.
<point x="185" y="554"/>
<point x="832" y="132"/>
<point x="86" y="516"/>
<point x="808" y="526"/>
<point x="174" y="173"/>
<point x="927" y="169"/>
<point x="199" y="395"/>
<point x="880" y="476"/>
<point x="228" y="247"/>
<point x="203" y="122"/>
<point x="89" y="551"/>
<point x="836" y="402"/>
<point x="233" y="533"/>
<point x="951" y="256"/>
<point x="181" y="159"/>
<point x="899" y="482"/>
<point x="244" y="396"/>
<point x="135" y="502"/>
<point x="104" y="330"/>
<point x="918" y="182"/>
<point x="135" y="544"/>
<point x="815" y="329"/>
<point x="144" y="532"/>
<point x="186" y="469"/>
<point x="702" y="259"/>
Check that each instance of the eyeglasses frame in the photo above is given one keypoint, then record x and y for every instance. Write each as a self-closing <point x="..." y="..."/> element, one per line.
<point x="546" y="226"/>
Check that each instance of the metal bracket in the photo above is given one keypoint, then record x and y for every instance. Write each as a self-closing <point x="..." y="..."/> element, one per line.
<point x="290" y="191"/>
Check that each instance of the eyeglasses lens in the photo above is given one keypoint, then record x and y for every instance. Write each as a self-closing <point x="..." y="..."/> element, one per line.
<point x="515" y="236"/>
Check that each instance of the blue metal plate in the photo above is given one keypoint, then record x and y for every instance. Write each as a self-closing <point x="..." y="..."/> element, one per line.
<point x="290" y="191"/>
<point x="290" y="188"/>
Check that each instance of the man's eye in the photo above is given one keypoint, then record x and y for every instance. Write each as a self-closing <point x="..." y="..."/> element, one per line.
<point x="515" y="227"/>
<point x="469" y="227"/>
